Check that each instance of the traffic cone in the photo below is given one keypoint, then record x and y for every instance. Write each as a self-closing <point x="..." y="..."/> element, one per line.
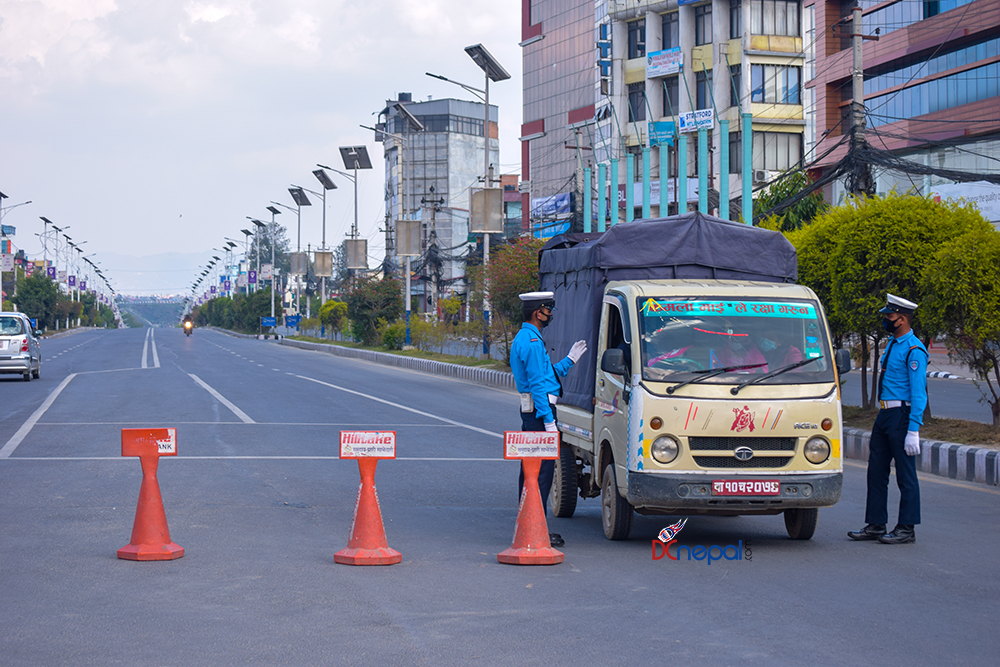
<point x="150" y="535"/>
<point x="531" y="533"/>
<point x="367" y="544"/>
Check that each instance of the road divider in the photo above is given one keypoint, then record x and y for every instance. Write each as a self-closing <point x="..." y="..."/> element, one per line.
<point x="367" y="544"/>
<point x="150" y="534"/>
<point x="531" y="532"/>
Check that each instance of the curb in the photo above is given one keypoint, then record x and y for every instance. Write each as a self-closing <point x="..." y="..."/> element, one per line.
<point x="248" y="336"/>
<point x="967" y="463"/>
<point x="492" y="378"/>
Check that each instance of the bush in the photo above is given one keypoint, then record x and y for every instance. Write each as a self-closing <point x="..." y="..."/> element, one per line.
<point x="394" y="335"/>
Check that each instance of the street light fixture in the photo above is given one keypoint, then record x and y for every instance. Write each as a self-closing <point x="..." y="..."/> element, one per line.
<point x="327" y="184"/>
<point x="354" y="157"/>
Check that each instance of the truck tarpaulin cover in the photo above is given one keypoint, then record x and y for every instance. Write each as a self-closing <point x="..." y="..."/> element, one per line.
<point x="577" y="267"/>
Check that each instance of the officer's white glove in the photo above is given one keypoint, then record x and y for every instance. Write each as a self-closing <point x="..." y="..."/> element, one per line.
<point x="575" y="352"/>
<point x="551" y="427"/>
<point x="912" y="443"/>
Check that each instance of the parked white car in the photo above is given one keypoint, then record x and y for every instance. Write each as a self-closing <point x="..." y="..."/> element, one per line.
<point x="19" y="349"/>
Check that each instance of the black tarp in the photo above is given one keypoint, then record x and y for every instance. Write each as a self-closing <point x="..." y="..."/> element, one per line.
<point x="577" y="267"/>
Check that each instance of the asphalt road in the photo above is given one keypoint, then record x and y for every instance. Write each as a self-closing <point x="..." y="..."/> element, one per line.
<point x="260" y="503"/>
<point x="951" y="398"/>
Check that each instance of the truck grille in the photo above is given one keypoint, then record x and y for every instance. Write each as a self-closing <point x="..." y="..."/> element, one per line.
<point x="732" y="462"/>
<point x="727" y="443"/>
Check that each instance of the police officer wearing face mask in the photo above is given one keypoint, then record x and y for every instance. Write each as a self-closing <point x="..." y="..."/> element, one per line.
<point x="535" y="378"/>
<point x="896" y="434"/>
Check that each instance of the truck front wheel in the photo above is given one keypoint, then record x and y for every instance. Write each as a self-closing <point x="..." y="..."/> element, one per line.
<point x="801" y="522"/>
<point x="616" y="513"/>
<point x="562" y="497"/>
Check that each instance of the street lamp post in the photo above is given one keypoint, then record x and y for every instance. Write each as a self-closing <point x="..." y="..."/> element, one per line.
<point x="274" y="269"/>
<point x="327" y="184"/>
<point x="494" y="71"/>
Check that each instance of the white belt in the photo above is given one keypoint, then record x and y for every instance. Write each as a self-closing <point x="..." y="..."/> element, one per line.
<point x="885" y="405"/>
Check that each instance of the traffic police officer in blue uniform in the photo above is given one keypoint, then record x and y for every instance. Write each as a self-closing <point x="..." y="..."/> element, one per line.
<point x="536" y="381"/>
<point x="902" y="394"/>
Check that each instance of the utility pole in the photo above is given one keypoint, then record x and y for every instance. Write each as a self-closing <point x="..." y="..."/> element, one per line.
<point x="435" y="266"/>
<point x="860" y="181"/>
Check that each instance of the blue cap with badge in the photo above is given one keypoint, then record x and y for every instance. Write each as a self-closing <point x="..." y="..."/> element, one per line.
<point x="897" y="304"/>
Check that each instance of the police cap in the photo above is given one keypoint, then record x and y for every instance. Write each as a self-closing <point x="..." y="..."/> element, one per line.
<point x="535" y="300"/>
<point x="897" y="304"/>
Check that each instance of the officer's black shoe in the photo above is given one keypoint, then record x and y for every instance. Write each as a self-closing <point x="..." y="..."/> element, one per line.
<point x="901" y="534"/>
<point x="873" y="531"/>
<point x="556" y="540"/>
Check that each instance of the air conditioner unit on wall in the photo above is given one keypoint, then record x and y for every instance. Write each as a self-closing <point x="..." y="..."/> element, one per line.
<point x="761" y="175"/>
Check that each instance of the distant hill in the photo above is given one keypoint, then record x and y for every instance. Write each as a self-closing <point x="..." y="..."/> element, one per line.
<point x="155" y="314"/>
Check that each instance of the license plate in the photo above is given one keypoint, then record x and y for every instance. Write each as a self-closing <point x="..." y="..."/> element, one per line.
<point x="739" y="487"/>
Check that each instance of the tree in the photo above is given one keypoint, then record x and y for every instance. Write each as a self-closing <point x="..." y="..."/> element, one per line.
<point x="281" y="247"/>
<point x="512" y="271"/>
<point x="870" y="246"/>
<point x="370" y="300"/>
<point x="333" y="315"/>
<point x="963" y="287"/>
<point x="38" y="297"/>
<point x="798" y="214"/>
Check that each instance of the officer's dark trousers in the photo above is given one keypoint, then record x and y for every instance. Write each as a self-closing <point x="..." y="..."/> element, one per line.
<point x="886" y="445"/>
<point x="529" y="422"/>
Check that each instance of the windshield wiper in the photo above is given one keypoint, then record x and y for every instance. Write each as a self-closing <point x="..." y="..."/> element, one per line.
<point x="735" y="390"/>
<point x="710" y="373"/>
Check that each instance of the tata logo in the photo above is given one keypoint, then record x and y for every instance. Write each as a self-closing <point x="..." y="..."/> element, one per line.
<point x="743" y="453"/>
<point x="805" y="425"/>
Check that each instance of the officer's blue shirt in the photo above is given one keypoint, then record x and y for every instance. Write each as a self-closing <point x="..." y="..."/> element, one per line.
<point x="906" y="381"/>
<point x="533" y="372"/>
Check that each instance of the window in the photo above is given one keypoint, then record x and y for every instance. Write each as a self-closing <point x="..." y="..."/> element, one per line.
<point x="775" y="84"/>
<point x="946" y="92"/>
<point x="703" y="86"/>
<point x="637" y="39"/>
<point x="776" y="151"/>
<point x="735" y="153"/>
<point x="735" y="19"/>
<point x="774" y="17"/>
<point x="671" y="30"/>
<point x="703" y="24"/>
<point x="636" y="102"/>
<point x="735" y="84"/>
<point x="671" y="96"/>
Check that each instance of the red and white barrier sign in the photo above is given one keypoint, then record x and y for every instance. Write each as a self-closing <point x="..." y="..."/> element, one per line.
<point x="149" y="442"/>
<point x="530" y="445"/>
<point x="367" y="444"/>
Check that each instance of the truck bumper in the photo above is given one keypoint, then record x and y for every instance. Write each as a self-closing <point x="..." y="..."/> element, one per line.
<point x="657" y="493"/>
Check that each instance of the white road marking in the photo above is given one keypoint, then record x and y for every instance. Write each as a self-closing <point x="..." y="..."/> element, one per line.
<point x="222" y="399"/>
<point x="26" y="427"/>
<point x="401" y="407"/>
<point x="145" y="349"/>
<point x="156" y="357"/>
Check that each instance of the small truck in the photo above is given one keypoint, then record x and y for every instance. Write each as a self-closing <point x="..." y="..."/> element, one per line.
<point x="710" y="386"/>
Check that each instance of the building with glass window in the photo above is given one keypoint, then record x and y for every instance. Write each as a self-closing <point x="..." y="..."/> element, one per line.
<point x="441" y="163"/>
<point x="735" y="56"/>
<point x="932" y="84"/>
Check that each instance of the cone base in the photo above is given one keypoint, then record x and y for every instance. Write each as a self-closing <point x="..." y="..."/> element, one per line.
<point x="524" y="556"/>
<point x="169" y="551"/>
<point x="379" y="556"/>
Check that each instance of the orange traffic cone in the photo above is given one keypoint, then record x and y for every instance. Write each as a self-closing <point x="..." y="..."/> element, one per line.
<point x="531" y="533"/>
<point x="150" y="535"/>
<point x="367" y="544"/>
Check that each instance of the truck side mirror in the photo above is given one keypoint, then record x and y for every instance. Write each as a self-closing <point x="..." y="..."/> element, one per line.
<point x="843" y="358"/>
<point x="613" y="361"/>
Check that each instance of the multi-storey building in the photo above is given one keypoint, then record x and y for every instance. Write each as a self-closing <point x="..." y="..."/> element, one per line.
<point x="592" y="90"/>
<point x="440" y="164"/>
<point x="931" y="84"/>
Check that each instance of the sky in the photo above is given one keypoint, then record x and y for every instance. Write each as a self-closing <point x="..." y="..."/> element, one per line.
<point x="153" y="129"/>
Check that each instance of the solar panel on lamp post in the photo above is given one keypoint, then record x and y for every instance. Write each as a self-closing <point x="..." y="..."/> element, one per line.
<point x="327" y="184"/>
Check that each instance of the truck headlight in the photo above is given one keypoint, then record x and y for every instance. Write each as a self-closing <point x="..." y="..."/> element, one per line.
<point x="817" y="450"/>
<point x="665" y="449"/>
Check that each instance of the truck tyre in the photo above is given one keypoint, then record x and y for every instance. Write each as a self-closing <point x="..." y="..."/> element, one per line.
<point x="616" y="512"/>
<point x="562" y="497"/>
<point x="801" y="522"/>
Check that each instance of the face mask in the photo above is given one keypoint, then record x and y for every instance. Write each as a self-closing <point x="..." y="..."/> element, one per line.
<point x="548" y="320"/>
<point x="889" y="325"/>
<point x="766" y="344"/>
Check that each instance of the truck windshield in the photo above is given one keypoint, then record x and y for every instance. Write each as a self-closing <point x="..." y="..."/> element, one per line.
<point x="682" y="338"/>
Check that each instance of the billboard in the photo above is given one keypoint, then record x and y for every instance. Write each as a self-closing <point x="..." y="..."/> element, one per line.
<point x="664" y="63"/>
